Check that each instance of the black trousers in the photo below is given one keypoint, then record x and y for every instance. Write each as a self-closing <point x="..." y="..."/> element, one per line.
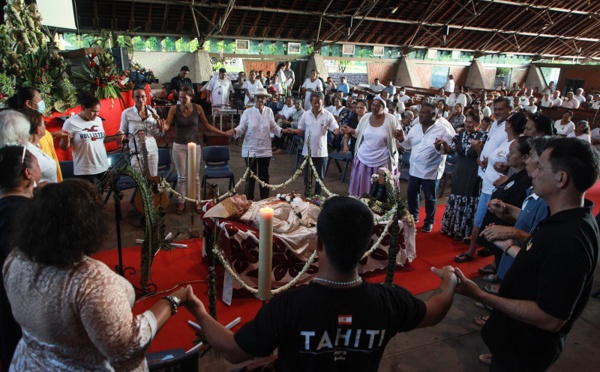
<point x="319" y="164"/>
<point x="260" y="167"/>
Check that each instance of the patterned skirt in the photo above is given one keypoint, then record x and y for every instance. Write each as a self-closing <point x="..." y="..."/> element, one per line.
<point x="458" y="217"/>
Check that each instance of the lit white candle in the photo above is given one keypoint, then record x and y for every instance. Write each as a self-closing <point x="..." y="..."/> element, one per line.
<point x="192" y="170"/>
<point x="265" y="253"/>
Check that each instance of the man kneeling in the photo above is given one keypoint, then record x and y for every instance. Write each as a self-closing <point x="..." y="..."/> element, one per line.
<point x="337" y="322"/>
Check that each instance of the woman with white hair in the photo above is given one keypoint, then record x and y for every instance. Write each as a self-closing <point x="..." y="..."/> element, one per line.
<point x="14" y="128"/>
<point x="375" y="147"/>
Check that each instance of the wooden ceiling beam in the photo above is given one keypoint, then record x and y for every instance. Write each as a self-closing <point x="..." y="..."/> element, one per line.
<point x="165" y="22"/>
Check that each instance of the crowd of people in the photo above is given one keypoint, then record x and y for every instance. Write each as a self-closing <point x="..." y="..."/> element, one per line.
<point x="521" y="182"/>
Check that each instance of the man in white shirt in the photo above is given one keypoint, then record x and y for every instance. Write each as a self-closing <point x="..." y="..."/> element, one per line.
<point x="287" y="110"/>
<point x="571" y="102"/>
<point x="497" y="137"/>
<point x="376" y="87"/>
<point x="457" y="97"/>
<point x="449" y="86"/>
<point x="402" y="96"/>
<point x="546" y="100"/>
<point x="427" y="162"/>
<point x="314" y="125"/>
<point x="550" y="88"/>
<point x="219" y="89"/>
<point x="556" y="100"/>
<point x="290" y="78"/>
<point x="250" y="86"/>
<point x="579" y="95"/>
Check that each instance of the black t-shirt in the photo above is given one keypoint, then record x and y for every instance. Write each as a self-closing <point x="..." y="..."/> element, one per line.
<point x="177" y="83"/>
<point x="319" y="328"/>
<point x="556" y="271"/>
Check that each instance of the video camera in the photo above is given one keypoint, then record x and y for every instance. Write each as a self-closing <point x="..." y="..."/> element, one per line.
<point x="139" y="78"/>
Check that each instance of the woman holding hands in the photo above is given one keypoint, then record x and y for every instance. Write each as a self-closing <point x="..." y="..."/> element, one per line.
<point x="143" y="123"/>
<point x="256" y="124"/>
<point x="375" y="147"/>
<point x="187" y="118"/>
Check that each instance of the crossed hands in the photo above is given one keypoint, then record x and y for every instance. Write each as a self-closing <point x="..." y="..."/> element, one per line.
<point x="454" y="279"/>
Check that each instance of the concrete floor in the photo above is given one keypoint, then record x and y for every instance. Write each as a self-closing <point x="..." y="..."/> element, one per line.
<point x="452" y="345"/>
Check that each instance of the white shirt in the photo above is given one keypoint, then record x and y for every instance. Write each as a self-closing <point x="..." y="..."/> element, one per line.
<point x="316" y="86"/>
<point x="584" y="137"/>
<point x="496" y="138"/>
<point x="487" y="111"/>
<point x="571" y="104"/>
<point x="131" y="123"/>
<point x="287" y="111"/>
<point x="454" y="99"/>
<point x="596" y="105"/>
<point x="499" y="155"/>
<point x="449" y="86"/>
<point x="251" y="88"/>
<point x="257" y="128"/>
<point x="564" y="129"/>
<point x="557" y="102"/>
<point x="403" y="98"/>
<point x="376" y="87"/>
<point x="533" y="109"/>
<point x="373" y="151"/>
<point x="46" y="163"/>
<point x="400" y="108"/>
<point x="89" y="153"/>
<point x="316" y="128"/>
<point x="426" y="161"/>
<point x="579" y="97"/>
<point x="219" y="91"/>
<point x="547" y="102"/>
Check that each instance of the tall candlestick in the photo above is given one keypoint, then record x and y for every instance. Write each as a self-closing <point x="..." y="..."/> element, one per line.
<point x="265" y="253"/>
<point x="192" y="170"/>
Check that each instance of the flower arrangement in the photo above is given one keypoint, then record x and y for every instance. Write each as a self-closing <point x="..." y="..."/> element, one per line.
<point x="29" y="59"/>
<point x="293" y="200"/>
<point x="100" y="76"/>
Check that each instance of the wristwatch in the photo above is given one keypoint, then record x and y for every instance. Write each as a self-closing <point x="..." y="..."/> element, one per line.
<point x="174" y="301"/>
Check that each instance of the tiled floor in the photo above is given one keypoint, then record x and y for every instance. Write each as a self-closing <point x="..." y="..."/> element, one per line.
<point x="452" y="345"/>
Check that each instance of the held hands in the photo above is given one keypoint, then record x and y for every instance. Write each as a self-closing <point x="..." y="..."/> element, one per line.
<point x="61" y="133"/>
<point x="447" y="274"/>
<point x="482" y="163"/>
<point x="440" y="144"/>
<point x="497" y="207"/>
<point x="495" y="233"/>
<point x="477" y="145"/>
<point x="230" y="132"/>
<point x="500" y="167"/>
<point x="466" y="286"/>
<point x="398" y="134"/>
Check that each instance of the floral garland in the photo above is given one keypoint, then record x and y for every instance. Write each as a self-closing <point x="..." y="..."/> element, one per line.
<point x="290" y="198"/>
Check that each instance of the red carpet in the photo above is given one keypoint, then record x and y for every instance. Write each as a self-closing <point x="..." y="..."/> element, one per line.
<point x="185" y="265"/>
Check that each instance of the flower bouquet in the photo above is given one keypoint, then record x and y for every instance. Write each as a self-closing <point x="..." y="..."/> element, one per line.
<point x="100" y="76"/>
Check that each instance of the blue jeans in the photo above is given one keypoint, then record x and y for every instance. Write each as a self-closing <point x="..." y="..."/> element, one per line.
<point x="413" y="196"/>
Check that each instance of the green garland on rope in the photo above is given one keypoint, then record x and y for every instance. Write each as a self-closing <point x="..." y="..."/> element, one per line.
<point x="154" y="226"/>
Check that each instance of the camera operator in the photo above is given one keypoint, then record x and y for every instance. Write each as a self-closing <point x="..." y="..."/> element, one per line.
<point x="181" y="80"/>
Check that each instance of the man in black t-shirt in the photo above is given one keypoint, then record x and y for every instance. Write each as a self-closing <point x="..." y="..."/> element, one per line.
<point x="550" y="281"/>
<point x="180" y="81"/>
<point x="338" y="322"/>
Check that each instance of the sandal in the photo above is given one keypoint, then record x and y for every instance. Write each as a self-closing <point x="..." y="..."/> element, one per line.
<point x="480" y="320"/>
<point x="486" y="359"/>
<point x="490" y="288"/>
<point x="198" y="209"/>
<point x="491" y="278"/>
<point x="488" y="269"/>
<point x="180" y="209"/>
<point x="483" y="306"/>
<point x="463" y="257"/>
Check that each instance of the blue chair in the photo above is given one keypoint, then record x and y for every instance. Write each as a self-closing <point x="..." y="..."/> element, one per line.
<point x="216" y="165"/>
<point x="66" y="168"/>
<point x="124" y="182"/>
<point x="337" y="157"/>
<point x="297" y="142"/>
<point x="165" y="169"/>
